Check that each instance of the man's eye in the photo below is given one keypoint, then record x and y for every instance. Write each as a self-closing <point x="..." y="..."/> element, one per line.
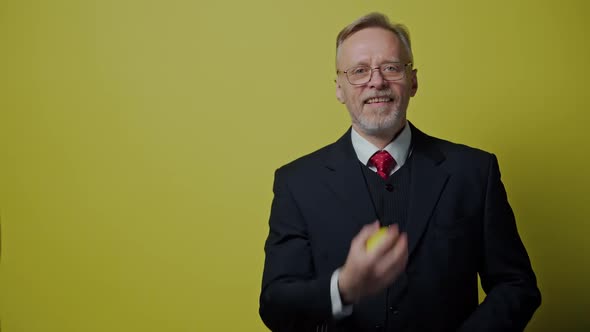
<point x="391" y="68"/>
<point x="359" y="71"/>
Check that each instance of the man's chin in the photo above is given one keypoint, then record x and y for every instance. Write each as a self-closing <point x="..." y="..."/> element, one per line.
<point x="374" y="129"/>
<point x="377" y="127"/>
<point x="378" y="109"/>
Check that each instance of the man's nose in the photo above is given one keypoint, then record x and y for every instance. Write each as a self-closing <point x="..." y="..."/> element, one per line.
<point x="376" y="80"/>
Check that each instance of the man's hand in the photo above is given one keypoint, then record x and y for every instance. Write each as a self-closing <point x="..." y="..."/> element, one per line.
<point x="368" y="272"/>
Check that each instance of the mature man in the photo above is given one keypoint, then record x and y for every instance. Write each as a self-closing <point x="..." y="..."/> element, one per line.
<point x="446" y="205"/>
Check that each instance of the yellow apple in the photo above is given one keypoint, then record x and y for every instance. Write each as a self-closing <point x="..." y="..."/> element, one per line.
<point x="376" y="238"/>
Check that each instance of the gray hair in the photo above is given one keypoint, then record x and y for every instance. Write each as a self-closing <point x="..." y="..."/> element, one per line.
<point x="377" y="20"/>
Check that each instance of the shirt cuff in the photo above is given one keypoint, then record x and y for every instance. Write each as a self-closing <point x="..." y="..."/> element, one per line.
<point x="338" y="310"/>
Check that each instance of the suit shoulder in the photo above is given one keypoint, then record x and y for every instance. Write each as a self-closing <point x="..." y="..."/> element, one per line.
<point x="452" y="150"/>
<point x="461" y="158"/>
<point x="306" y="163"/>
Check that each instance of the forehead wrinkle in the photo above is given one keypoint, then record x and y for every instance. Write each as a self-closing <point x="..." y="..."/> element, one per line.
<point x="367" y="56"/>
<point x="365" y="52"/>
<point x="372" y="60"/>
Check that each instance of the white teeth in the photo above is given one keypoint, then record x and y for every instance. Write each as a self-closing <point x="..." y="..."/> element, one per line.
<point x="377" y="100"/>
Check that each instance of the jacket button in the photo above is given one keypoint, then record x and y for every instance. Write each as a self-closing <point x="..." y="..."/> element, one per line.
<point x="393" y="310"/>
<point x="389" y="187"/>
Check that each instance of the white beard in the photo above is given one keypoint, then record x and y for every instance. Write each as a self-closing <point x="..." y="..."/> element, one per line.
<point x="377" y="122"/>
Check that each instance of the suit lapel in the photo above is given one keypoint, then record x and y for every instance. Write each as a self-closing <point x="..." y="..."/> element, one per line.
<point x="345" y="180"/>
<point x="428" y="180"/>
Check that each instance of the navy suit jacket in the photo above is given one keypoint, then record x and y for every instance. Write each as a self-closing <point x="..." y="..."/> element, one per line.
<point x="459" y="225"/>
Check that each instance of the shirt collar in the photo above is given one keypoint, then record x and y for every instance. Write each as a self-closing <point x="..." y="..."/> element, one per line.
<point x="398" y="148"/>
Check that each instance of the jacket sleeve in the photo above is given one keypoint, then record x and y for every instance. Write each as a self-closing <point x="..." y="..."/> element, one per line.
<point x="292" y="295"/>
<point x="506" y="274"/>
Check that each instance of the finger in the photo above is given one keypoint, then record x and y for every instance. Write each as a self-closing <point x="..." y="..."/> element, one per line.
<point x="396" y="259"/>
<point x="394" y="231"/>
<point x="361" y="238"/>
<point x="400" y="249"/>
<point x="388" y="241"/>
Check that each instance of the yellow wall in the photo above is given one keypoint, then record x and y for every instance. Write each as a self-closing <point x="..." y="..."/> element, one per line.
<point x="138" y="141"/>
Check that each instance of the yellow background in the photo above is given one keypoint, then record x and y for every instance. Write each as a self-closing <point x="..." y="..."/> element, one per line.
<point x="138" y="141"/>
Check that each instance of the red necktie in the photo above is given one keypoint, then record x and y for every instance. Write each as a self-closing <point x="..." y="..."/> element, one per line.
<point x="384" y="163"/>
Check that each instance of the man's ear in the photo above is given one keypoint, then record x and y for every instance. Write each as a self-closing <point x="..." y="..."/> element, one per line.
<point x="414" y="82"/>
<point x="339" y="93"/>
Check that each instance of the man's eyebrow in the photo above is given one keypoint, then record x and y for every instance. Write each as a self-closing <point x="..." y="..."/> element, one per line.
<point x="366" y="62"/>
<point x="359" y="63"/>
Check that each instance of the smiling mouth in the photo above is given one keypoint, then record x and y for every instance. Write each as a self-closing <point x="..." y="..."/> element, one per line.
<point x="377" y="100"/>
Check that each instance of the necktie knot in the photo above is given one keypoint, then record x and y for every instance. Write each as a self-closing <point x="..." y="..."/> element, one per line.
<point x="384" y="163"/>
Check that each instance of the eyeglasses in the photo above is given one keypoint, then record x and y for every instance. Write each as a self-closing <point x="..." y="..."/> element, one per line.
<point x="390" y="71"/>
